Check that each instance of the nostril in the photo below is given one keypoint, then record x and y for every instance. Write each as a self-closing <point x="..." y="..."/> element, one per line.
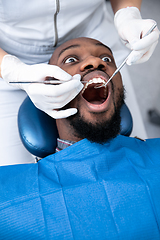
<point x="101" y="66"/>
<point x="89" y="66"/>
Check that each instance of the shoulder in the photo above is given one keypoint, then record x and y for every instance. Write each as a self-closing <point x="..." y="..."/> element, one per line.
<point x="152" y="142"/>
<point x="148" y="148"/>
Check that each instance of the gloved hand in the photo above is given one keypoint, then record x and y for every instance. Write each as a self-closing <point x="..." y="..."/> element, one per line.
<point x="131" y="28"/>
<point x="46" y="97"/>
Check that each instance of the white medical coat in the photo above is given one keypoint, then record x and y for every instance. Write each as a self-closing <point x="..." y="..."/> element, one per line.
<point x="27" y="27"/>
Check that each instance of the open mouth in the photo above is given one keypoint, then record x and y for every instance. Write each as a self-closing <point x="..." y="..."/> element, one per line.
<point x="94" y="95"/>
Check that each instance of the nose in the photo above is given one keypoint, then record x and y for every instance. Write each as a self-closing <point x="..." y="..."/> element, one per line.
<point x="92" y="63"/>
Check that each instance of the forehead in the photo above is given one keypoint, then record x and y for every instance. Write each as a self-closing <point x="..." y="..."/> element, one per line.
<point x="77" y="43"/>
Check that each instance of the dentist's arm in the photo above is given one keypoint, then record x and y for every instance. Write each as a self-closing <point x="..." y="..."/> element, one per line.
<point x="2" y="54"/>
<point x="131" y="28"/>
<point x="119" y="4"/>
<point x="49" y="98"/>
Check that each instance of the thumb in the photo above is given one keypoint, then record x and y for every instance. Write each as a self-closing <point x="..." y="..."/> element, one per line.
<point x="58" y="114"/>
<point x="134" y="57"/>
<point x="147" y="41"/>
<point x="57" y="72"/>
<point x="77" y="77"/>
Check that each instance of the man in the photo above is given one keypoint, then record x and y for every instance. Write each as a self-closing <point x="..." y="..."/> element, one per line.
<point x="105" y="186"/>
<point x="98" y="117"/>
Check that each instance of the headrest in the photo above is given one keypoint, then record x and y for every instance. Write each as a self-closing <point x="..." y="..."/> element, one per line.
<point x="39" y="133"/>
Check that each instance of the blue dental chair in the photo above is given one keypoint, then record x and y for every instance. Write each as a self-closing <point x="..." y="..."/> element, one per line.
<point x="39" y="133"/>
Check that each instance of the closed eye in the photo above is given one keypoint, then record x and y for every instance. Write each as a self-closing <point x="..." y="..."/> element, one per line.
<point x="106" y="59"/>
<point x="70" y="60"/>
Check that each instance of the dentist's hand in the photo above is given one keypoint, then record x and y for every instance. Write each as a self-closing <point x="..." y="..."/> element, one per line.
<point x="48" y="98"/>
<point x="131" y="28"/>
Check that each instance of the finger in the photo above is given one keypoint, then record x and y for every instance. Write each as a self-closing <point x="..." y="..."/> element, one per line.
<point x="41" y="71"/>
<point x="146" y="41"/>
<point x="77" y="77"/>
<point x="128" y="45"/>
<point x="141" y="56"/>
<point x="62" y="113"/>
<point x="47" y="102"/>
<point x="57" y="72"/>
<point x="147" y="54"/>
<point x="134" y="57"/>
<point x="54" y="90"/>
<point x="58" y="102"/>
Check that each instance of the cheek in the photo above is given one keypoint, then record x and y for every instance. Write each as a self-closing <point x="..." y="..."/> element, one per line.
<point x="117" y="81"/>
<point x="117" y="88"/>
<point x="112" y="68"/>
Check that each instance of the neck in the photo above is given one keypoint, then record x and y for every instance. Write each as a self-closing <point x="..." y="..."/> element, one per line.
<point x="65" y="131"/>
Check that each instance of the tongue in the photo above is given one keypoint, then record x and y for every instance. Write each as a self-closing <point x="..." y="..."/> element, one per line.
<point x="95" y="96"/>
<point x="98" y="102"/>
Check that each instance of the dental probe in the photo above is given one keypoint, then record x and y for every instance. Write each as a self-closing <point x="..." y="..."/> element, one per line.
<point x="53" y="82"/>
<point x="125" y="60"/>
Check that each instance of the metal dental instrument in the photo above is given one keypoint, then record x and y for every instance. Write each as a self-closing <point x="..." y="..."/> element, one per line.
<point x="52" y="82"/>
<point x="125" y="60"/>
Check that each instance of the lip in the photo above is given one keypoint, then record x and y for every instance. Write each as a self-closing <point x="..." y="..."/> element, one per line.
<point x="103" y="106"/>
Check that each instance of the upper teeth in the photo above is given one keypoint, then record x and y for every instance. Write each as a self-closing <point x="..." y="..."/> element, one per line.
<point x="93" y="80"/>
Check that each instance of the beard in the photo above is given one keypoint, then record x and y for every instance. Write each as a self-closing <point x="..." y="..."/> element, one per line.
<point x="103" y="130"/>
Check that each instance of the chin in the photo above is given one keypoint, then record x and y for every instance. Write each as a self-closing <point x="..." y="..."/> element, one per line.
<point x="97" y="128"/>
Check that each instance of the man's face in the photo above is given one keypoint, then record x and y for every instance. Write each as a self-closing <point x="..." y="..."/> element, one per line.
<point x="95" y="63"/>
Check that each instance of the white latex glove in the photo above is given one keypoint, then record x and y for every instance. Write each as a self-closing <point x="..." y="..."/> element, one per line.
<point x="131" y="28"/>
<point x="46" y="97"/>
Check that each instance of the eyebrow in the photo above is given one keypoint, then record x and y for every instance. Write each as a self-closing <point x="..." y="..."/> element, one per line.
<point x="78" y="45"/>
<point x="101" y="44"/>
<point x="69" y="47"/>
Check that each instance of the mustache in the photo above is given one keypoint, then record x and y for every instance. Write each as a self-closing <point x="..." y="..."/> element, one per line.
<point x="92" y="70"/>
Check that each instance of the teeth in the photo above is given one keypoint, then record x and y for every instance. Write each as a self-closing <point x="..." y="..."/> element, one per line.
<point x="93" y="80"/>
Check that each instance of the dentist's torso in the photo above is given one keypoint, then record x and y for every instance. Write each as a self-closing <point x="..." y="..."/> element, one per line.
<point x="31" y="30"/>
